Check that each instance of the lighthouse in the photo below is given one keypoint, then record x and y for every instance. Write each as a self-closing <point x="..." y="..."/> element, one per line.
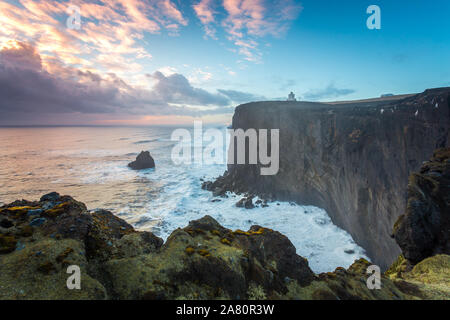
<point x="291" y="97"/>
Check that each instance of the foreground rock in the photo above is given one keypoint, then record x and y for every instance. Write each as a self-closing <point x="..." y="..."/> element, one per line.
<point x="143" y="161"/>
<point x="352" y="159"/>
<point x="40" y="239"/>
<point x="424" y="229"/>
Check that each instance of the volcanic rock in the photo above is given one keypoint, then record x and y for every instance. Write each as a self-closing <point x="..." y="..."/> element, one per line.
<point x="204" y="260"/>
<point x="143" y="161"/>
<point x="424" y="229"/>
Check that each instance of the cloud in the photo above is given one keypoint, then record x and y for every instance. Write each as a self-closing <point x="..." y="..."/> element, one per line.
<point x="113" y="26"/>
<point x="247" y="20"/>
<point x="327" y="93"/>
<point x="205" y="11"/>
<point x="20" y="55"/>
<point x="29" y="91"/>
<point x="241" y="97"/>
<point x="177" y="89"/>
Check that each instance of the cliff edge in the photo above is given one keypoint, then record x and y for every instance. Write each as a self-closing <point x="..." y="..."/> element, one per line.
<point x="353" y="159"/>
<point x="424" y="229"/>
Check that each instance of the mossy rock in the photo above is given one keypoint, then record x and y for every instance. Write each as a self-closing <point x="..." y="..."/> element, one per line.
<point x="25" y="274"/>
<point x="433" y="270"/>
<point x="7" y="244"/>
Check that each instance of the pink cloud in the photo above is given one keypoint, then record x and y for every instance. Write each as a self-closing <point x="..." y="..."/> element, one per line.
<point x="106" y="26"/>
<point x="205" y="12"/>
<point x="247" y="19"/>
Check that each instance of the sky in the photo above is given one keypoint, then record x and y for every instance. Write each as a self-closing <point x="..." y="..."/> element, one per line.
<point x="131" y="62"/>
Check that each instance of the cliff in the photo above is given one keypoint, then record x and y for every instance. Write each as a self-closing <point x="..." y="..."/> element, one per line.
<point x="353" y="159"/>
<point x="424" y="229"/>
<point x="39" y="240"/>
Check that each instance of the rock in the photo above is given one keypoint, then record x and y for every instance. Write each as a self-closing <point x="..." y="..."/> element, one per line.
<point x="37" y="222"/>
<point x="240" y="203"/>
<point x="429" y="279"/>
<point x="249" y="204"/>
<point x="246" y="203"/>
<point x="353" y="162"/>
<point x="35" y="212"/>
<point x="20" y="246"/>
<point x="218" y="192"/>
<point x="349" y="251"/>
<point x="52" y="196"/>
<point x="46" y="206"/>
<point x="424" y="229"/>
<point x="203" y="260"/>
<point x="5" y="223"/>
<point x="143" y="161"/>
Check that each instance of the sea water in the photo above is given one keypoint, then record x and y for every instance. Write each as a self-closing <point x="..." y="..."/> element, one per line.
<point x="90" y="164"/>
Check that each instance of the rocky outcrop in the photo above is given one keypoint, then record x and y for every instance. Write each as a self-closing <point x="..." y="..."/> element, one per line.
<point x="352" y="159"/>
<point x="246" y="203"/>
<point x="424" y="229"/>
<point x="201" y="261"/>
<point x="429" y="279"/>
<point x="143" y="161"/>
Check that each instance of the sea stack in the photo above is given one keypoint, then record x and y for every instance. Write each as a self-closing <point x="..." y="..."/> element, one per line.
<point x="143" y="161"/>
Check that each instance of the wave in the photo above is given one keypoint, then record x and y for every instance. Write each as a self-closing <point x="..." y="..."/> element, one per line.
<point x="145" y="141"/>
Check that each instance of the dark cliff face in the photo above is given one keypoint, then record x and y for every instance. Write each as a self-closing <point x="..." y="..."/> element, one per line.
<point x="424" y="229"/>
<point x="351" y="159"/>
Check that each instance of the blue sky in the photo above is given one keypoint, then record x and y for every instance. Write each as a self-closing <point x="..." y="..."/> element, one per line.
<point x="329" y="44"/>
<point x="179" y="60"/>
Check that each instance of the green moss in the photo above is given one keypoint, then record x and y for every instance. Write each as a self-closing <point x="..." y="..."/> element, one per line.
<point x="19" y="212"/>
<point x="53" y="213"/>
<point x="189" y="250"/>
<point x="226" y="241"/>
<point x="251" y="233"/>
<point x="397" y="267"/>
<point x="256" y="292"/>
<point x="203" y="252"/>
<point x="26" y="208"/>
<point x="359" y="266"/>
<point x="215" y="232"/>
<point x="240" y="232"/>
<point x="432" y="270"/>
<point x="62" y="205"/>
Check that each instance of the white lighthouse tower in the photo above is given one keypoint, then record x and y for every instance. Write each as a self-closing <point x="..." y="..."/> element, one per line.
<point x="291" y="97"/>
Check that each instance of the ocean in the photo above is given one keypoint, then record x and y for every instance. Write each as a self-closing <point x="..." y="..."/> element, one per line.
<point x="90" y="164"/>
